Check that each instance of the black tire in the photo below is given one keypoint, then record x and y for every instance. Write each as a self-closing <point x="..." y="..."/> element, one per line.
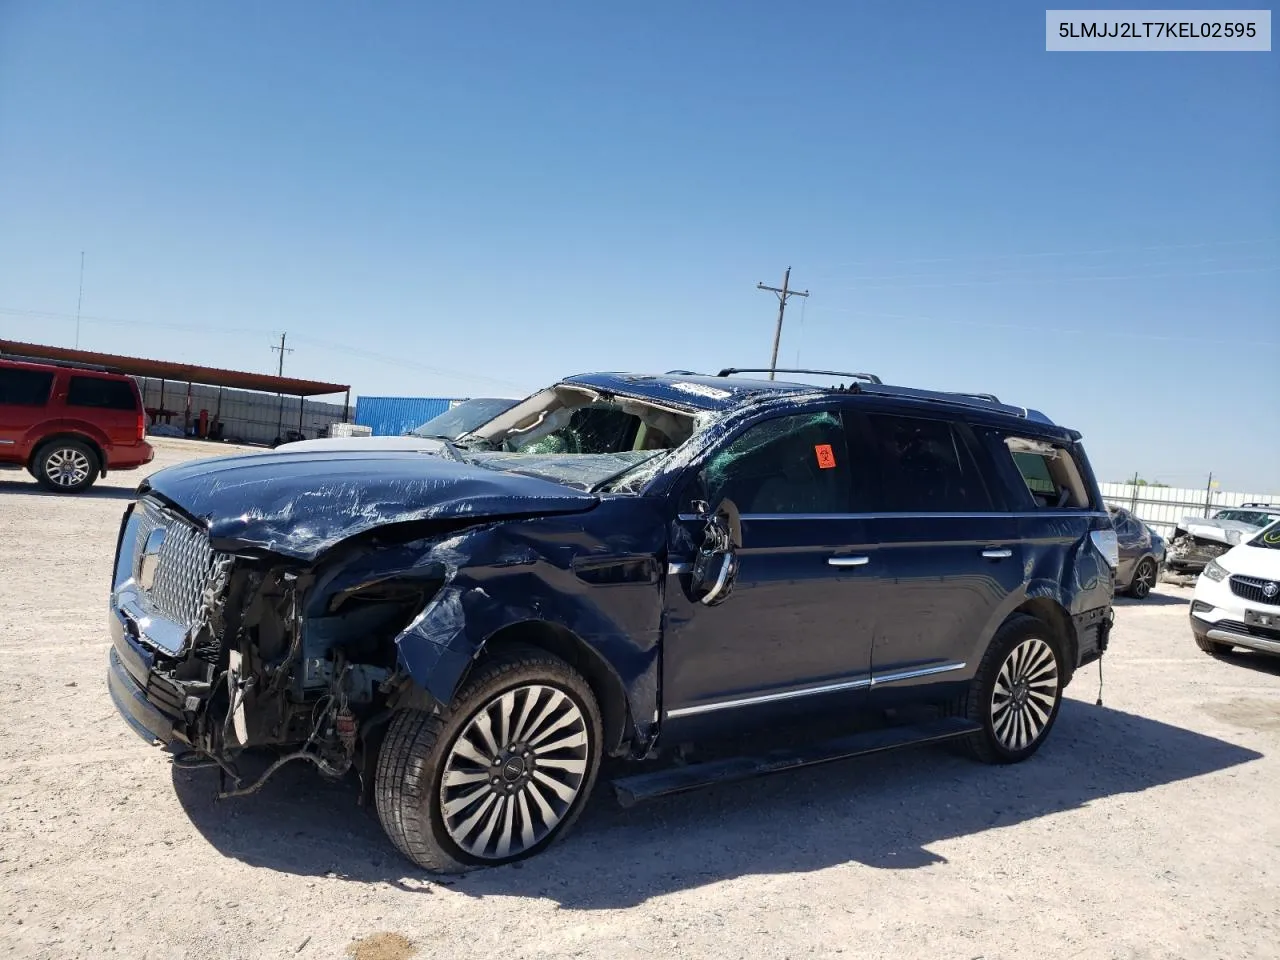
<point x="419" y="746"/>
<point x="996" y="743"/>
<point x="66" y="466"/>
<point x="1213" y="648"/>
<point x="1145" y="575"/>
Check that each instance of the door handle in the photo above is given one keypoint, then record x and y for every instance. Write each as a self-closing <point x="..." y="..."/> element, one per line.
<point x="997" y="554"/>
<point x="848" y="561"/>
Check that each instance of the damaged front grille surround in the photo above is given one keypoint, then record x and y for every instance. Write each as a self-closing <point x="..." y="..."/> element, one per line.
<point x="183" y="565"/>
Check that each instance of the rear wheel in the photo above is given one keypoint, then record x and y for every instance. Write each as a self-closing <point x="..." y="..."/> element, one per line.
<point x="1144" y="579"/>
<point x="1016" y="693"/>
<point x="66" y="466"/>
<point x="499" y="777"/>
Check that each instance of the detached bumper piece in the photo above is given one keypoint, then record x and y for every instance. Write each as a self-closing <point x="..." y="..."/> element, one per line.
<point x="146" y="720"/>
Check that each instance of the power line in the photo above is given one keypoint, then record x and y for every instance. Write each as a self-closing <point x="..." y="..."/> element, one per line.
<point x="783" y="293"/>
<point x="1050" y="254"/>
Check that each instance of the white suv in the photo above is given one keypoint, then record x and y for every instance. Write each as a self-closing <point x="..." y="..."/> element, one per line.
<point x="1237" y="597"/>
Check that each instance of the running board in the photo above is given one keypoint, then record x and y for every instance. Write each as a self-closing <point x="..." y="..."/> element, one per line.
<point x="646" y="786"/>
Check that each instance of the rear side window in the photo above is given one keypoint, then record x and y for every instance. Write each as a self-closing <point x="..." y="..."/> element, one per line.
<point x="25" y="388"/>
<point x="789" y="465"/>
<point x="925" y="467"/>
<point x="102" y="393"/>
<point x="1050" y="474"/>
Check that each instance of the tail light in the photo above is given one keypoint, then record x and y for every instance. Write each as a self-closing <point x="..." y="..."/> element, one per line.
<point x="142" y="425"/>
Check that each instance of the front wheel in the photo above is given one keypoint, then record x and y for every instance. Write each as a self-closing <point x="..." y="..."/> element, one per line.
<point x="500" y="776"/>
<point x="1016" y="693"/>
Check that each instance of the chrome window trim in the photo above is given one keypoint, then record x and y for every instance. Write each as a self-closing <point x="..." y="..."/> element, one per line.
<point x="814" y="691"/>
<point x="983" y="515"/>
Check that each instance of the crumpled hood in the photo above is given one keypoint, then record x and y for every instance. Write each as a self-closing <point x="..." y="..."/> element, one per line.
<point x="362" y="444"/>
<point x="1217" y="529"/>
<point x="301" y="504"/>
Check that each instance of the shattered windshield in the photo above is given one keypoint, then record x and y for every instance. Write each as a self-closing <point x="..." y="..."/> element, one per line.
<point x="582" y="471"/>
<point x="575" y="420"/>
<point x="463" y="418"/>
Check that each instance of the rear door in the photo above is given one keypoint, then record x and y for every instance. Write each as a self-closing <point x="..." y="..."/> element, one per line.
<point x="108" y="402"/>
<point x="24" y="401"/>
<point x="953" y="561"/>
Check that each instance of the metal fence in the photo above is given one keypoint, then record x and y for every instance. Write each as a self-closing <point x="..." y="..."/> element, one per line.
<point x="1162" y="507"/>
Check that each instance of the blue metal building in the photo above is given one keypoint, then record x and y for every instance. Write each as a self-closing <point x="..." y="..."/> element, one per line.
<point x="396" y="416"/>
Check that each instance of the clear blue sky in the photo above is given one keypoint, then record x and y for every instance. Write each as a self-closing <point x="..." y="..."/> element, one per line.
<point x="474" y="199"/>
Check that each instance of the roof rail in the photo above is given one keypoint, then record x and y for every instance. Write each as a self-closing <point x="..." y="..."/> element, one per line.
<point x="868" y="377"/>
<point x="73" y="364"/>
<point x="1267" y="506"/>
<point x="978" y="396"/>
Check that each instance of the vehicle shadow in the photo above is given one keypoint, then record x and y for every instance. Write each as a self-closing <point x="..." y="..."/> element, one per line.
<point x="883" y="811"/>
<point x="1262" y="662"/>
<point x="1153" y="600"/>
<point x="32" y="489"/>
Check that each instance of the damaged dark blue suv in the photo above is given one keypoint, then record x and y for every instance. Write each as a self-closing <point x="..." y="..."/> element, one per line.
<point x="617" y="565"/>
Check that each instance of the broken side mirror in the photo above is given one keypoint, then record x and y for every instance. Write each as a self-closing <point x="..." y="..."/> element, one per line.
<point x="716" y="563"/>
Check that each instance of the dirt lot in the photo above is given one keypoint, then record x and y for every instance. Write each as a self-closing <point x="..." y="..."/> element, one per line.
<point x="1145" y="828"/>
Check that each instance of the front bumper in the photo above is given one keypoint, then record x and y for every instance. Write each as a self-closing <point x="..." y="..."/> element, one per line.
<point x="128" y="679"/>
<point x="1218" y="614"/>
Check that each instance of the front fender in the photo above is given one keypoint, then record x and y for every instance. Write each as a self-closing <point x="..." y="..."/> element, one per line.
<point x="606" y="595"/>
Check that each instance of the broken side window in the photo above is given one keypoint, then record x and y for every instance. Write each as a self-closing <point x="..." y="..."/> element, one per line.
<point x="789" y="465"/>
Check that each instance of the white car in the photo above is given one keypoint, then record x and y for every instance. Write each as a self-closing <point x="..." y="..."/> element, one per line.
<point x="1237" y="597"/>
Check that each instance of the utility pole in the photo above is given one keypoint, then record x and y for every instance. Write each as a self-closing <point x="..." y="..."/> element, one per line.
<point x="79" y="299"/>
<point x="280" y="373"/>
<point x="1208" y="495"/>
<point x="1133" y="503"/>
<point x="783" y="293"/>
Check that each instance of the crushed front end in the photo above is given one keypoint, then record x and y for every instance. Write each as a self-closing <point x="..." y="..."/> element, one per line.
<point x="214" y="653"/>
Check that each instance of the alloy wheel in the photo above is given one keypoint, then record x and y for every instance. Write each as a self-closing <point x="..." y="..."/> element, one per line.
<point x="67" y="467"/>
<point x="514" y="772"/>
<point x="1026" y="691"/>
<point x="1144" y="579"/>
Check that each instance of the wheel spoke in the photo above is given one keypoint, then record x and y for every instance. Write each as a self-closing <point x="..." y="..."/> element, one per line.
<point x="460" y="803"/>
<point x="521" y="719"/>
<point x="561" y="790"/>
<point x="465" y="748"/>
<point x="506" y="707"/>
<point x="572" y="716"/>
<point x="461" y="831"/>
<point x="456" y="777"/>
<point x="526" y="820"/>
<point x="576" y="739"/>
<point x="575" y="766"/>
<point x="531" y="726"/>
<point x="507" y="830"/>
<point x="491" y="824"/>
<point x="483" y="725"/>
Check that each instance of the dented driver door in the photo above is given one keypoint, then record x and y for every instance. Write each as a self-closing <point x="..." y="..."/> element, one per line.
<point x="791" y="617"/>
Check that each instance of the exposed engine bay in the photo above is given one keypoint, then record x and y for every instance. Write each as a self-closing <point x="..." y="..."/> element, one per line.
<point x="255" y="652"/>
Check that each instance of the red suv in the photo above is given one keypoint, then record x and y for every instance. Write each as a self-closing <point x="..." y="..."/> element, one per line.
<point x="70" y="425"/>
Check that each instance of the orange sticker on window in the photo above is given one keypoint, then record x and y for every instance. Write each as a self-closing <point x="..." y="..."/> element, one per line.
<point x="826" y="458"/>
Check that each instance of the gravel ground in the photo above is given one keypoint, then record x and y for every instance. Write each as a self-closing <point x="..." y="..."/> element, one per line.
<point x="1144" y="828"/>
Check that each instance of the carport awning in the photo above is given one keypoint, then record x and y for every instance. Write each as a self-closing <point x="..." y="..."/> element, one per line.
<point x="169" y="370"/>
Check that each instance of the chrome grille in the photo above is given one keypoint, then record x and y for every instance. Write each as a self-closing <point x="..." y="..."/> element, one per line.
<point x="186" y="562"/>
<point x="1250" y="588"/>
